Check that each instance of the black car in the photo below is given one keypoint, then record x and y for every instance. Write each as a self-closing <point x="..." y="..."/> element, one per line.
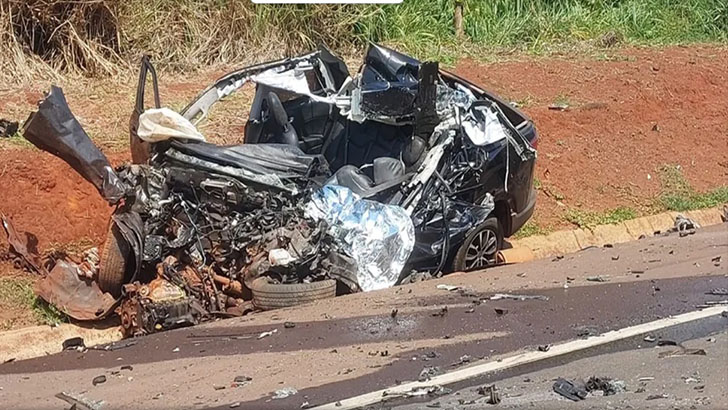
<point x="340" y="183"/>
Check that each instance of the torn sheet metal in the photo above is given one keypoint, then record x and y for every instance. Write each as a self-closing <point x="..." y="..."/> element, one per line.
<point x="378" y="237"/>
<point x="26" y="249"/>
<point x="79" y="298"/>
<point x="483" y="127"/>
<point x="54" y="129"/>
<point x="292" y="80"/>
<point x="161" y="124"/>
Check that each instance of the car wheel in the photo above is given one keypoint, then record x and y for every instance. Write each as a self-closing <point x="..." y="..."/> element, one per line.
<point x="480" y="247"/>
<point x="113" y="262"/>
<point x="269" y="296"/>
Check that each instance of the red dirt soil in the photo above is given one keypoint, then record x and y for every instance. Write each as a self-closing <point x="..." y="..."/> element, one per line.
<point x="628" y="116"/>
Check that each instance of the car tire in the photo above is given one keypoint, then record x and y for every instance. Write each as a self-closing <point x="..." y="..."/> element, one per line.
<point x="480" y="247"/>
<point x="269" y="296"/>
<point x="113" y="262"/>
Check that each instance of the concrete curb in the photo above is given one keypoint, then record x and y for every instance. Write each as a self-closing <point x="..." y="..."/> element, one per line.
<point x="562" y="242"/>
<point x="36" y="341"/>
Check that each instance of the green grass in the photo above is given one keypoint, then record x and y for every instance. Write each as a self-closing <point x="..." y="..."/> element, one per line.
<point x="188" y="34"/>
<point x="590" y="219"/>
<point x="531" y="228"/>
<point x="17" y="293"/>
<point x="678" y="195"/>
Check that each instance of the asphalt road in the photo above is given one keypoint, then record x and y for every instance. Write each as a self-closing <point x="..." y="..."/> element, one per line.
<point x="352" y="345"/>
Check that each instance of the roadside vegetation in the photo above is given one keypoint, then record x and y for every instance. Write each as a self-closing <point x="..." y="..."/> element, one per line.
<point x="104" y="37"/>
<point x="678" y="195"/>
<point x="16" y="294"/>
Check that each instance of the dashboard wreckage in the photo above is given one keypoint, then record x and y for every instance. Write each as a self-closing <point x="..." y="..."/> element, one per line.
<point x="341" y="184"/>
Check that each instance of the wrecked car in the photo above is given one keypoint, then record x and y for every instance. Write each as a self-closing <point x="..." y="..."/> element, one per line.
<point x="340" y="183"/>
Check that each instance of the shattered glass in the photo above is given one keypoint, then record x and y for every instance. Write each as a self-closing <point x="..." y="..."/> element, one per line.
<point x="378" y="237"/>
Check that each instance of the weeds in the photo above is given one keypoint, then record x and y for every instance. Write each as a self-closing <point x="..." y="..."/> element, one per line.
<point x="678" y="195"/>
<point x="590" y="219"/>
<point x="531" y="228"/>
<point x="16" y="293"/>
<point x="104" y="37"/>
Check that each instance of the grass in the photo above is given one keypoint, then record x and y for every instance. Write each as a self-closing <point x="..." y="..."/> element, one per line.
<point x="16" y="293"/>
<point x="531" y="228"/>
<point x="104" y="37"/>
<point x="678" y="195"/>
<point x="590" y="219"/>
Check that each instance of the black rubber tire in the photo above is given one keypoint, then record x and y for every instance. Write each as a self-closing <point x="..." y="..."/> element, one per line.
<point x="491" y="224"/>
<point x="269" y="296"/>
<point x="113" y="262"/>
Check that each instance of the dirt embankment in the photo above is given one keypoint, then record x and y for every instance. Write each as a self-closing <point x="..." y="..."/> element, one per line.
<point x="628" y="115"/>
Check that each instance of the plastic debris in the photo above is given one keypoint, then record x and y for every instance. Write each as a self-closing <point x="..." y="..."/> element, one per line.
<point x="448" y="288"/>
<point x="284" y="393"/>
<point x="569" y="390"/>
<point x="98" y="380"/>
<point x="268" y="333"/>
<point x="605" y="384"/>
<point x="499" y="296"/>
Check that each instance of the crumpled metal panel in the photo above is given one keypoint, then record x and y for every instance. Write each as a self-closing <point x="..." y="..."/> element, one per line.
<point x="54" y="129"/>
<point x="20" y="247"/>
<point x="81" y="299"/>
<point x="378" y="237"/>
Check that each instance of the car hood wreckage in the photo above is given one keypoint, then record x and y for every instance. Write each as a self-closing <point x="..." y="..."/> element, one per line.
<point x="342" y="184"/>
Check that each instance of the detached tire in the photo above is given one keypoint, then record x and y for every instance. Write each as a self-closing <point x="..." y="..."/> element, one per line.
<point x="113" y="262"/>
<point x="269" y="296"/>
<point x="480" y="247"/>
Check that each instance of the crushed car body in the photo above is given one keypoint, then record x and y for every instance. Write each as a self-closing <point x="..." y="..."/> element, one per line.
<point x="340" y="184"/>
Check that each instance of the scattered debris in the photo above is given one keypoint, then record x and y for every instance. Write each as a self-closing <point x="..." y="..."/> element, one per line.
<point x="657" y="396"/>
<point x="394" y="313"/>
<point x="649" y="339"/>
<point x="569" y="390"/>
<point x="98" y="380"/>
<point x="586" y="331"/>
<point x="615" y="257"/>
<point x="666" y="342"/>
<point x="175" y="350"/>
<point x="74" y="343"/>
<point x="685" y="226"/>
<point x="448" y="288"/>
<point x="289" y="325"/>
<point x="420" y="391"/>
<point x="235" y="404"/>
<point x="718" y="292"/>
<point x="491" y="392"/>
<point x="544" y="348"/>
<point x="240" y="381"/>
<point x="598" y="278"/>
<point x="78" y="402"/>
<point x="441" y="313"/>
<point x="464" y="359"/>
<point x="428" y="372"/>
<point x="500" y="296"/>
<point x="115" y="345"/>
<point x="268" y="333"/>
<point x="559" y="106"/>
<point x="646" y="379"/>
<point x="682" y="352"/>
<point x="500" y="311"/>
<point x="284" y="393"/>
<point x="126" y="367"/>
<point x="605" y="384"/>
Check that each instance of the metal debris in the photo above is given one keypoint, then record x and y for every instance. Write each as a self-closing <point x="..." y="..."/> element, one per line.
<point x="682" y="352"/>
<point x="289" y="325"/>
<point x="241" y="381"/>
<point x="544" y="348"/>
<point x="428" y="372"/>
<point x="598" y="278"/>
<point x="500" y="311"/>
<point x="569" y="389"/>
<point x="718" y="292"/>
<point x="657" y="396"/>
<point x="8" y="128"/>
<point x="74" y="343"/>
<point x="268" y="333"/>
<point x="79" y="402"/>
<point x="605" y="384"/>
<point x="491" y="392"/>
<point x="685" y="226"/>
<point x="98" y="380"/>
<point x="448" y="288"/>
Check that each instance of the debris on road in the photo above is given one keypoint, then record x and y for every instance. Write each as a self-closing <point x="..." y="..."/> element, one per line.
<point x="241" y="381"/>
<point x="268" y="333"/>
<point x="98" y="380"/>
<point x="448" y="288"/>
<point x="544" y="348"/>
<point x="433" y="391"/>
<point x="79" y="402"/>
<point x="586" y="331"/>
<point x="607" y="385"/>
<point x="284" y="393"/>
<point x="464" y="359"/>
<point x="74" y="343"/>
<point x="500" y="311"/>
<point x="501" y="296"/>
<point x="428" y="372"/>
<point x="569" y="389"/>
<point x="491" y="393"/>
<point x="440" y="313"/>
<point x="289" y="325"/>
<point x="598" y="278"/>
<point x="657" y="396"/>
<point x="718" y="292"/>
<point x="649" y="339"/>
<point x="682" y="352"/>
<point x="685" y="226"/>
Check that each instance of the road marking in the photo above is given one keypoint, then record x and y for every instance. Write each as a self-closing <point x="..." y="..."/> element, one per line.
<point x="521" y="359"/>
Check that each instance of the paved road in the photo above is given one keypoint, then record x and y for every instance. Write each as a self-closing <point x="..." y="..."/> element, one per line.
<point x="352" y="345"/>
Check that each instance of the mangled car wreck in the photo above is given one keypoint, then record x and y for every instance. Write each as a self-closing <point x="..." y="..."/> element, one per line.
<point x="340" y="184"/>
